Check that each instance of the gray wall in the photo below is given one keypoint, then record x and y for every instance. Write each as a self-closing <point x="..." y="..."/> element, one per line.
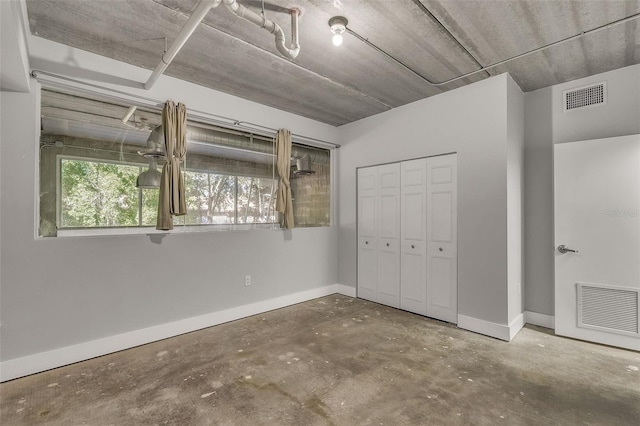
<point x="471" y="121"/>
<point x="14" y="54"/>
<point x="58" y="292"/>
<point x="545" y="125"/>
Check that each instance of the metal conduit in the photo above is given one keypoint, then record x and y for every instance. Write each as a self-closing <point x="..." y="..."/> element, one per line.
<point x="485" y="68"/>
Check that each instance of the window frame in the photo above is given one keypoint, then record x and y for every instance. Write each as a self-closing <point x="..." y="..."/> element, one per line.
<point x="61" y="157"/>
<point x="78" y="88"/>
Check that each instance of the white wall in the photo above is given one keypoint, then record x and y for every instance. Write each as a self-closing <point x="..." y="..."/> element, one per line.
<point x="515" y="198"/>
<point x="545" y="125"/>
<point x="471" y="121"/>
<point x="58" y="292"/>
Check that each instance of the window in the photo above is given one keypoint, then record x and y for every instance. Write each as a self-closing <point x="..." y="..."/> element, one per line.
<point x="90" y="161"/>
<point x="97" y="194"/>
<point x="214" y="199"/>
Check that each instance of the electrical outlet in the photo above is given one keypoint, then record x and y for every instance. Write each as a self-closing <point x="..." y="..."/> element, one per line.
<point x="247" y="280"/>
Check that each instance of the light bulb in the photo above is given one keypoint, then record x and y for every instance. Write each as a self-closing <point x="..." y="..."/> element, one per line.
<point x="338" y="25"/>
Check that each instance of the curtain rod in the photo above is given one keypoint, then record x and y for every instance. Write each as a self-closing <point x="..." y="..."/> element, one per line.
<point x="120" y="96"/>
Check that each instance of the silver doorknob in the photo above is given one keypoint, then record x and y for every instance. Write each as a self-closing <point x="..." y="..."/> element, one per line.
<point x="564" y="249"/>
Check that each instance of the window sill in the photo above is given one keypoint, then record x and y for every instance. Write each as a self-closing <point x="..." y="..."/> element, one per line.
<point x="178" y="229"/>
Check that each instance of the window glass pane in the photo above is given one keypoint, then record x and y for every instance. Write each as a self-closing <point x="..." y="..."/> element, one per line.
<point x="98" y="194"/>
<point x="311" y="186"/>
<point x="149" y="206"/>
<point x="210" y="198"/>
<point x="256" y="198"/>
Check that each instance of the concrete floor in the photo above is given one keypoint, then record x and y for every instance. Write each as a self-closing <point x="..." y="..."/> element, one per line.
<point x="337" y="361"/>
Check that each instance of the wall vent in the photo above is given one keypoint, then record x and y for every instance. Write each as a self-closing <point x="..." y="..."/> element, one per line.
<point x="609" y="308"/>
<point x="586" y="96"/>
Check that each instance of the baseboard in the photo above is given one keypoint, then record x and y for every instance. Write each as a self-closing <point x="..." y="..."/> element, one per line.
<point x="504" y="332"/>
<point x="541" y="320"/>
<point x="515" y="326"/>
<point x="43" y="361"/>
<point x="492" y="329"/>
<point x="345" y="290"/>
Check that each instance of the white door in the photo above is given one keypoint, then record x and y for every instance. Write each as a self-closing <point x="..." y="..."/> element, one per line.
<point x="442" y="247"/>
<point x="597" y="214"/>
<point x="389" y="235"/>
<point x="367" y="233"/>
<point x="413" y="261"/>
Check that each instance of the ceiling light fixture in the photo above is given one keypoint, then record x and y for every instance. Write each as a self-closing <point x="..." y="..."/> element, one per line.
<point x="150" y="179"/>
<point x="338" y="25"/>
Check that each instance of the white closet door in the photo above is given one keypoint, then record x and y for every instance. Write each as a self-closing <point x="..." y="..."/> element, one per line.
<point x="367" y="234"/>
<point x="389" y="235"/>
<point x="413" y="259"/>
<point x="442" y="250"/>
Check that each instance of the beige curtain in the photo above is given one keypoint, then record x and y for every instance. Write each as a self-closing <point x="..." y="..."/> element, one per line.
<point x="171" y="200"/>
<point x="178" y="200"/>
<point x="284" y="203"/>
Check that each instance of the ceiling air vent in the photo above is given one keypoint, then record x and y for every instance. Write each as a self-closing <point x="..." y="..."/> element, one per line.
<point x="608" y="308"/>
<point x="586" y="96"/>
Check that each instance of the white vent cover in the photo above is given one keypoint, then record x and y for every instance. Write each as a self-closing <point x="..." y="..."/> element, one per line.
<point x="608" y="308"/>
<point x="586" y="96"/>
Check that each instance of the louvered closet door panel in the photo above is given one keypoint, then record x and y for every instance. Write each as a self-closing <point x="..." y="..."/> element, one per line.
<point x="413" y="262"/>
<point x="389" y="235"/>
<point x="442" y="281"/>
<point x="367" y="233"/>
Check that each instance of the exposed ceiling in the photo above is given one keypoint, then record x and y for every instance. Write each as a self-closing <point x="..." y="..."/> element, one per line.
<point x="436" y="39"/>
<point x="65" y="114"/>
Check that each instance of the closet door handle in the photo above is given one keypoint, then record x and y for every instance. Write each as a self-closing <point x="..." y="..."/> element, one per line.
<point x="441" y="249"/>
<point x="387" y="244"/>
<point x="412" y="246"/>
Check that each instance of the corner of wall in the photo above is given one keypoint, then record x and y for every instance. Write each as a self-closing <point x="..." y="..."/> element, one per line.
<point x="488" y="328"/>
<point x="541" y="320"/>
<point x="345" y="290"/>
<point x="14" y="27"/>
<point x="515" y="200"/>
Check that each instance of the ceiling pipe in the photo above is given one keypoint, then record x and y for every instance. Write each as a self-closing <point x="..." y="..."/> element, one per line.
<point x="128" y="114"/>
<point x="199" y="14"/>
<point x="187" y="30"/>
<point x="271" y="27"/>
